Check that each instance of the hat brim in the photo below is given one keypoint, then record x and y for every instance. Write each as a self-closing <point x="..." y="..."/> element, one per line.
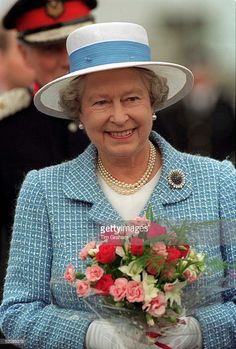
<point x="179" y="80"/>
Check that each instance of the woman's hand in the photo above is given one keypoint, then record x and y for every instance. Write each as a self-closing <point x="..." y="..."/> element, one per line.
<point x="186" y="335"/>
<point x="109" y="334"/>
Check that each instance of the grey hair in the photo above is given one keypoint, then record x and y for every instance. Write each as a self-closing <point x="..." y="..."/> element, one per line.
<point x="71" y="95"/>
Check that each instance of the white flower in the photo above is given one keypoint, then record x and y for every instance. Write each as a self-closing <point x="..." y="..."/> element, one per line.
<point x="150" y="291"/>
<point x="174" y="294"/>
<point x="92" y="252"/>
<point x="198" y="259"/>
<point x="148" y="279"/>
<point x="150" y="322"/>
<point x="120" y="251"/>
<point x="133" y="270"/>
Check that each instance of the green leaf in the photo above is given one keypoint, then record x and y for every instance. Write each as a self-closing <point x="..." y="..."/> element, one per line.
<point x="149" y="213"/>
<point x="79" y="275"/>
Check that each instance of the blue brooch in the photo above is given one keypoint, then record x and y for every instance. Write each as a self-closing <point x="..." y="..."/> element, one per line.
<point x="176" y="179"/>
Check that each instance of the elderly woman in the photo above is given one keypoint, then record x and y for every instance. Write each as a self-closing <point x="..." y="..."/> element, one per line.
<point x="113" y="92"/>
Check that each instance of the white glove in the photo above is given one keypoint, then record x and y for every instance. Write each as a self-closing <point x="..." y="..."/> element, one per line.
<point x="183" y="336"/>
<point x="107" y="334"/>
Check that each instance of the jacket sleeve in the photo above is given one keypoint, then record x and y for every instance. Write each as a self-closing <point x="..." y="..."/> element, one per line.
<point x="218" y="321"/>
<point x="27" y="315"/>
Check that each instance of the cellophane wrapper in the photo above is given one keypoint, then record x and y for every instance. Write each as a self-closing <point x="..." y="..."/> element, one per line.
<point x="214" y="282"/>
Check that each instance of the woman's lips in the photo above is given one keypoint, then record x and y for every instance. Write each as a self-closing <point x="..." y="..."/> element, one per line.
<point x="121" y="134"/>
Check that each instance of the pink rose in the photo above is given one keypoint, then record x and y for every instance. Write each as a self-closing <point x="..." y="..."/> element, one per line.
<point x="69" y="275"/>
<point x="94" y="273"/>
<point x="159" y="249"/>
<point x="156" y="230"/>
<point x="134" y="292"/>
<point x="118" y="290"/>
<point x="84" y="252"/>
<point x="82" y="288"/>
<point x="157" y="306"/>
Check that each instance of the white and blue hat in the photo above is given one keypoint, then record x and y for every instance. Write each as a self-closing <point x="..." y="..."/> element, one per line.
<point x="106" y="46"/>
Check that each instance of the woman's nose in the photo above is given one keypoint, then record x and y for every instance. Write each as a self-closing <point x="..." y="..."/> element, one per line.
<point x="119" y="114"/>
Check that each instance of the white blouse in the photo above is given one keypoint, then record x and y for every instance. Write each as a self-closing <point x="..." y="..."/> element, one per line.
<point x="129" y="206"/>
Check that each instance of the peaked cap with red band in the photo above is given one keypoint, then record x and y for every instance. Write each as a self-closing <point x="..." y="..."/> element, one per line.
<point x="48" y="21"/>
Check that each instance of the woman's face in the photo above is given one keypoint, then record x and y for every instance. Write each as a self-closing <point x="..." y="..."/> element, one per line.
<point x="116" y="111"/>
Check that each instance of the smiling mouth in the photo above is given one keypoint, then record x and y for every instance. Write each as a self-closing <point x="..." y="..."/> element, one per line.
<point x="121" y="134"/>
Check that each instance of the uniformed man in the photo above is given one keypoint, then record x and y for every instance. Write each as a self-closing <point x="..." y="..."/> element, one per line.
<point x="29" y="139"/>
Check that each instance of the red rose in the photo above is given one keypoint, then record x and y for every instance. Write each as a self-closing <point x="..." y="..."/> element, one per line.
<point x="106" y="253"/>
<point x="184" y="250"/>
<point x="136" y="246"/>
<point x="155" y="230"/>
<point x="173" y="254"/>
<point x="103" y="285"/>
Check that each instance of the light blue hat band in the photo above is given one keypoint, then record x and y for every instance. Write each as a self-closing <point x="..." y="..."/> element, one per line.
<point x="107" y="53"/>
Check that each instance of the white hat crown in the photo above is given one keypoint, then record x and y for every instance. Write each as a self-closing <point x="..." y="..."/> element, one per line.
<point x="102" y="32"/>
<point x="107" y="43"/>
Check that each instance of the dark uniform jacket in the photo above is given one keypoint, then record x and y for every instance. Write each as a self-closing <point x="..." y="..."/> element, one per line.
<point x="30" y="140"/>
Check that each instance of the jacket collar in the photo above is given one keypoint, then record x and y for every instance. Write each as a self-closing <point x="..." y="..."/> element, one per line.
<point x="81" y="182"/>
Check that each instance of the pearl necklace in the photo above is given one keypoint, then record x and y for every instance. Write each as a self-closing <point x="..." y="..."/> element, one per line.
<point x="126" y="188"/>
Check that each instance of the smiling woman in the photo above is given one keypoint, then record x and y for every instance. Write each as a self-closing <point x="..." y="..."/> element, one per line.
<point x="113" y="91"/>
<point x="115" y="107"/>
<point x="116" y="111"/>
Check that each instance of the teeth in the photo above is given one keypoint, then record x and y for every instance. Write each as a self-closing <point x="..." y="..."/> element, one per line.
<point x="121" y="134"/>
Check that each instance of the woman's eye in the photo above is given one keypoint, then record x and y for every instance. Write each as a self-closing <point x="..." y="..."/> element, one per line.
<point x="132" y="98"/>
<point x="100" y="102"/>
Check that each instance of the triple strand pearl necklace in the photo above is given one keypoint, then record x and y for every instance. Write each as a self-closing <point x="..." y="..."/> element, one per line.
<point x="126" y="188"/>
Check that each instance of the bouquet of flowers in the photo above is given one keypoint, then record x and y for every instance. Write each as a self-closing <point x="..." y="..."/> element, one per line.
<point x="141" y="270"/>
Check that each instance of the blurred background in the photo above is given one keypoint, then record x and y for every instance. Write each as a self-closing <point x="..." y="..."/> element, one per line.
<point x="183" y="31"/>
<point x="199" y="34"/>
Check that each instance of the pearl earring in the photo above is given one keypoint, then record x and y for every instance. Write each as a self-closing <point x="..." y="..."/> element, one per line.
<point x="154" y="117"/>
<point x="81" y="126"/>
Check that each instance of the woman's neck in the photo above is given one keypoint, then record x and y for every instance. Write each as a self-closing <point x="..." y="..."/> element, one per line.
<point x="131" y="169"/>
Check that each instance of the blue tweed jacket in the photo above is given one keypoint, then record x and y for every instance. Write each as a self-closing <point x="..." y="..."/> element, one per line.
<point x="60" y="209"/>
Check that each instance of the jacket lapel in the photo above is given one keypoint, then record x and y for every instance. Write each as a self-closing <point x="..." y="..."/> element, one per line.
<point x="81" y="184"/>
